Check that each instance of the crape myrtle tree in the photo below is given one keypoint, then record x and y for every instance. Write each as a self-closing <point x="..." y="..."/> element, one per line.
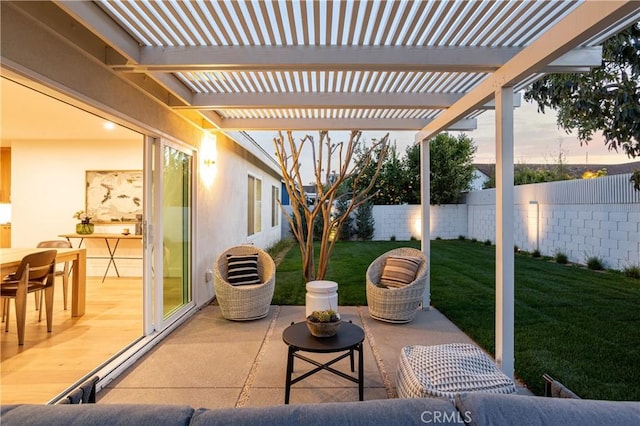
<point x="606" y="99"/>
<point x="334" y="164"/>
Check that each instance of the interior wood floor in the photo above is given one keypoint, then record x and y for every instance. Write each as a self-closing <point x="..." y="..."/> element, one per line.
<point x="48" y="363"/>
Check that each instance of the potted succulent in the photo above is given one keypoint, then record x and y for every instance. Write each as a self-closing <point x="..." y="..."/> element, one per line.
<point x="323" y="323"/>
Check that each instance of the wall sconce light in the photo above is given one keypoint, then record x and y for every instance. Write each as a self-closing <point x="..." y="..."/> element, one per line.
<point x="208" y="155"/>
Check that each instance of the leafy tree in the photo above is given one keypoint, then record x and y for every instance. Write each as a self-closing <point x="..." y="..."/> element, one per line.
<point x="605" y="99"/>
<point x="399" y="180"/>
<point x="391" y="185"/>
<point x="411" y="166"/>
<point x="590" y="174"/>
<point x="451" y="167"/>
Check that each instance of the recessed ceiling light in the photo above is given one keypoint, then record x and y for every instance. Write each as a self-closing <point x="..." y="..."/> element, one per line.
<point x="109" y="125"/>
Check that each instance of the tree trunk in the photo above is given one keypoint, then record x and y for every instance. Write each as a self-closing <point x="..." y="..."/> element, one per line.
<point x="304" y="215"/>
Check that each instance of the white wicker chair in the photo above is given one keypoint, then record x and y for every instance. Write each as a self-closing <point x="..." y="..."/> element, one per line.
<point x="396" y="305"/>
<point x="245" y="302"/>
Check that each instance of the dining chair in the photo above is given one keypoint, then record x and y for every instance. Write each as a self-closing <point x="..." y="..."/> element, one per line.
<point x="65" y="271"/>
<point x="35" y="273"/>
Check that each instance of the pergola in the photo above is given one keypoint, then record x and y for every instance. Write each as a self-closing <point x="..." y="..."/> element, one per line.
<point x="425" y="66"/>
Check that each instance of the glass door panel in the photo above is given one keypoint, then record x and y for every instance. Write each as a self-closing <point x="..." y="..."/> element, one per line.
<point x="176" y="229"/>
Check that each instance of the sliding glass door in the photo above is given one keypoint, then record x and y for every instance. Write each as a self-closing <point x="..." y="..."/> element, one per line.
<point x="169" y="232"/>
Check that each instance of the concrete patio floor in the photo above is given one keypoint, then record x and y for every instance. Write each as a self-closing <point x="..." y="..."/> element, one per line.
<point x="210" y="362"/>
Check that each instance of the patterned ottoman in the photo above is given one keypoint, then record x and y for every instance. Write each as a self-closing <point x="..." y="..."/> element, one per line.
<point x="446" y="370"/>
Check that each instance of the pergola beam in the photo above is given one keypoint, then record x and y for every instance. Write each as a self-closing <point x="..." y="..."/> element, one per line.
<point x="289" y="100"/>
<point x="336" y="124"/>
<point x="331" y="58"/>
<point x="586" y="21"/>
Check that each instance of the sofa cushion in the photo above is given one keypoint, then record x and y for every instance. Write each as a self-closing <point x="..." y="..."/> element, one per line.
<point x="97" y="414"/>
<point x="399" y="271"/>
<point x="243" y="269"/>
<point x="383" y="411"/>
<point x="495" y="409"/>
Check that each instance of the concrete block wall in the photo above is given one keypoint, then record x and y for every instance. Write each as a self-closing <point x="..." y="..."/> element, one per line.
<point x="405" y="221"/>
<point x="609" y="232"/>
<point x="582" y="219"/>
<point x="401" y="222"/>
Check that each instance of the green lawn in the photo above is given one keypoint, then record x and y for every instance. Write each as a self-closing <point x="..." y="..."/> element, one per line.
<point x="580" y="326"/>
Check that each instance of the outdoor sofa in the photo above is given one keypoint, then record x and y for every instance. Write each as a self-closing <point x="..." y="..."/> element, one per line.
<point x="471" y="408"/>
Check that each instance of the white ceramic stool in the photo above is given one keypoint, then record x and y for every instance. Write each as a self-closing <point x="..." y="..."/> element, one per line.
<point x="321" y="295"/>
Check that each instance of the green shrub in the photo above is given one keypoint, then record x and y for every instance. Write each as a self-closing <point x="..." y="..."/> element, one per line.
<point x="595" y="263"/>
<point x="279" y="246"/>
<point x="462" y="237"/>
<point x="632" y="271"/>
<point x="516" y="249"/>
<point x="536" y="253"/>
<point x="413" y="238"/>
<point x="393" y="238"/>
<point x="347" y="231"/>
<point x="474" y="240"/>
<point x="487" y="242"/>
<point x="561" y="258"/>
<point x="438" y="238"/>
<point x="365" y="225"/>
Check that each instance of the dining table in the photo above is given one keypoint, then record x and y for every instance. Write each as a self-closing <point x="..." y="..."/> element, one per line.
<point x="10" y="259"/>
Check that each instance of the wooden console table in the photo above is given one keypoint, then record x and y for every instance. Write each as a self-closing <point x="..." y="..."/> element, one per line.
<point x="112" y="250"/>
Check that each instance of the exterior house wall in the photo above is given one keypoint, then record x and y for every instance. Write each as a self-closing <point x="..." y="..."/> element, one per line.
<point x="36" y="53"/>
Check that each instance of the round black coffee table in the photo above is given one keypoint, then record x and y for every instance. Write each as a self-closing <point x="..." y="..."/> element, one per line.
<point x="348" y="338"/>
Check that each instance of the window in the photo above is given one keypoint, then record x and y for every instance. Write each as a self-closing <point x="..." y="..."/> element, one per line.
<point x="275" y="206"/>
<point x="254" y="203"/>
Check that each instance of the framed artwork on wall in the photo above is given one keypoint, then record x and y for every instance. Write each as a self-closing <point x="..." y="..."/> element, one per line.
<point x="114" y="196"/>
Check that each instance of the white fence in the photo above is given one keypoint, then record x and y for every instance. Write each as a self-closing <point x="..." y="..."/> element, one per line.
<point x="581" y="218"/>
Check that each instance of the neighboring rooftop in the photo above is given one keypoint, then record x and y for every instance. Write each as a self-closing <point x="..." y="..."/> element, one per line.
<point x="572" y="169"/>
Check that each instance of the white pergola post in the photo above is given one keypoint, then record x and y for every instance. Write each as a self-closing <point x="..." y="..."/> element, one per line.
<point x="504" y="231"/>
<point x="425" y="189"/>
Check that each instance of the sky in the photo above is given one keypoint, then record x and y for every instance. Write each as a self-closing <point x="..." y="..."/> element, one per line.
<point x="537" y="139"/>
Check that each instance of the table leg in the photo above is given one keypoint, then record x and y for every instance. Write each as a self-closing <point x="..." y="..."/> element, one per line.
<point x="360" y="372"/>
<point x="287" y="387"/>
<point x="79" y="284"/>
<point x="351" y="358"/>
<point x="111" y="259"/>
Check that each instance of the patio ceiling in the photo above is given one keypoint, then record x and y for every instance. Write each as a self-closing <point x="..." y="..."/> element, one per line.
<point x="308" y="65"/>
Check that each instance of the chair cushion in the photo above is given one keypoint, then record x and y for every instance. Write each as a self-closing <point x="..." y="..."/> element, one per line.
<point x="399" y="271"/>
<point x="242" y="270"/>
